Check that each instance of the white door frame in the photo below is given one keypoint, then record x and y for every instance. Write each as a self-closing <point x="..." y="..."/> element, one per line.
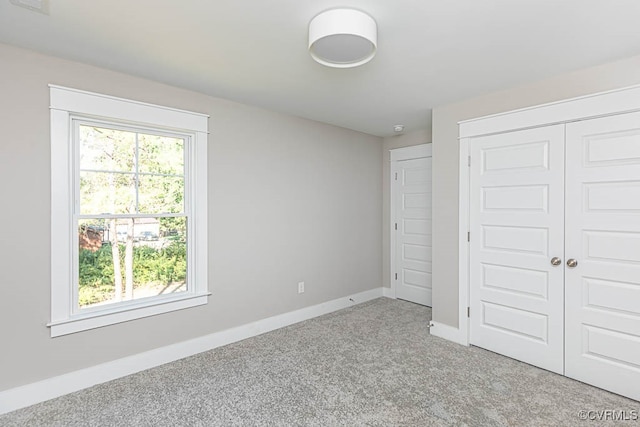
<point x="396" y="155"/>
<point x="601" y="104"/>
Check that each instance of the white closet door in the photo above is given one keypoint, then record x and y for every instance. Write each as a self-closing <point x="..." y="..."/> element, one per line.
<point x="517" y="213"/>
<point x="603" y="236"/>
<point x="412" y="190"/>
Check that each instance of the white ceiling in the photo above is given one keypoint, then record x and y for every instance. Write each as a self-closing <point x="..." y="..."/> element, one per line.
<point x="430" y="52"/>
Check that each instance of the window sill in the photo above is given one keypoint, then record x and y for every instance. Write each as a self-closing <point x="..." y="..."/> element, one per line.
<point x="123" y="314"/>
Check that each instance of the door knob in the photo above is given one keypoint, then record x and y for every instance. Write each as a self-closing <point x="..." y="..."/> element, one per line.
<point x="555" y="261"/>
<point x="572" y="262"/>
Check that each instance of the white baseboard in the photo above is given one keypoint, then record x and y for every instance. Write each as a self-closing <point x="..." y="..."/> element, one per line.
<point x="448" y="333"/>
<point x="50" y="388"/>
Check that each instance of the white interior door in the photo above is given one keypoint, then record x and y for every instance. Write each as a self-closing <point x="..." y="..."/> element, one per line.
<point x="412" y="205"/>
<point x="603" y="236"/>
<point x="516" y="223"/>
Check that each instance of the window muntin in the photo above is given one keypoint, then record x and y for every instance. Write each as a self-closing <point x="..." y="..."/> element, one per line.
<point x="131" y="214"/>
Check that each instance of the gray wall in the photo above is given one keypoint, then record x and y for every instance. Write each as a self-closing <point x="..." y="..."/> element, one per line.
<point x="289" y="200"/>
<point x="445" y="154"/>
<point x="389" y="143"/>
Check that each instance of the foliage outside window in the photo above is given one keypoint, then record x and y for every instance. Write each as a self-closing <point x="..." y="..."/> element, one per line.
<point x="132" y="225"/>
<point x="128" y="210"/>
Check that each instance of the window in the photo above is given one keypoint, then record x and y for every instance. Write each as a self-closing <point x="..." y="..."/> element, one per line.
<point x="129" y="210"/>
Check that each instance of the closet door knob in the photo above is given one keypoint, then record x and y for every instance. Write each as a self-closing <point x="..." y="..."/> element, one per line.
<point x="572" y="262"/>
<point x="556" y="261"/>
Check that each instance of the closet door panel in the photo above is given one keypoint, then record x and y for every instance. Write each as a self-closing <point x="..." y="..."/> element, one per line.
<point x="602" y="299"/>
<point x="516" y="222"/>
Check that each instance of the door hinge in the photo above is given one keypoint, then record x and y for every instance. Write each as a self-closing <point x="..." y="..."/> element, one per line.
<point x="396" y="178"/>
<point x="396" y="276"/>
<point x="469" y="161"/>
<point x="396" y="225"/>
<point x="468" y="311"/>
<point x="468" y="236"/>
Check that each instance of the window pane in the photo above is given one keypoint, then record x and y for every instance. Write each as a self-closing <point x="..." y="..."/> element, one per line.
<point x="107" y="149"/>
<point x="124" y="259"/>
<point x="161" y="154"/>
<point x="102" y="192"/>
<point x="161" y="194"/>
<point x="96" y="285"/>
<point x="160" y="256"/>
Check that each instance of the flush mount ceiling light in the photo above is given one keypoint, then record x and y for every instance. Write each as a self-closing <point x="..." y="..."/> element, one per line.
<point x="343" y="38"/>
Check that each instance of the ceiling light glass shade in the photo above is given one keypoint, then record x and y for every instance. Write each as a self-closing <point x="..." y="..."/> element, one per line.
<point x="343" y="38"/>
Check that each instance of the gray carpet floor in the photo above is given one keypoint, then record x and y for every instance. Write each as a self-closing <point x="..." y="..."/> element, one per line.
<point x="373" y="364"/>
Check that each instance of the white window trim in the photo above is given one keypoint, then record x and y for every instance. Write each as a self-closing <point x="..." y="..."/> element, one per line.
<point x="66" y="103"/>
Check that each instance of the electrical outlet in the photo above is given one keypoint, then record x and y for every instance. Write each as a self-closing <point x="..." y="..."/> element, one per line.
<point x="300" y="287"/>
